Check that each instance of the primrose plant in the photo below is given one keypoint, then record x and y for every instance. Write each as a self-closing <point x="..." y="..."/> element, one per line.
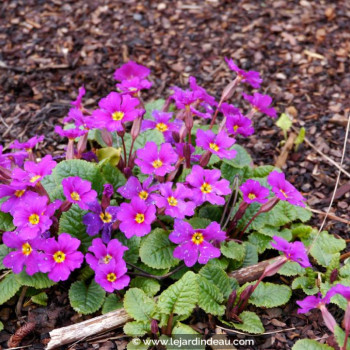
<point x="159" y="199"/>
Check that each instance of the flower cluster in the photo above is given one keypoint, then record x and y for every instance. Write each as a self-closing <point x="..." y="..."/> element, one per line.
<point x="161" y="182"/>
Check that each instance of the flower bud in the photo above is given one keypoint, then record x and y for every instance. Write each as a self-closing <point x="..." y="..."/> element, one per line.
<point x="154" y="326"/>
<point x="136" y="127"/>
<point x="107" y="137"/>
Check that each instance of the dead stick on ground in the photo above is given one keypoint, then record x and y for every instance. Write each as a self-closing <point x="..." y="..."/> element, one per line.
<point x="331" y="216"/>
<point x="282" y="158"/>
<point x="118" y="318"/>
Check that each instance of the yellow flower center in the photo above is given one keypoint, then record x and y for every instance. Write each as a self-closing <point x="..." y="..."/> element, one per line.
<point x="106" y="217"/>
<point x="251" y="196"/>
<point x="19" y="193"/>
<point x="143" y="195"/>
<point x="214" y="146"/>
<point x="75" y="196"/>
<point x="139" y="218"/>
<point x="119" y="115"/>
<point x="26" y="249"/>
<point x="284" y="193"/>
<point x="197" y="238"/>
<point x="34" y="178"/>
<point x="111" y="277"/>
<point x="162" y="127"/>
<point x="107" y="259"/>
<point x="157" y="163"/>
<point x="206" y="188"/>
<point x="34" y="219"/>
<point x="59" y="257"/>
<point x="235" y="128"/>
<point x="172" y="201"/>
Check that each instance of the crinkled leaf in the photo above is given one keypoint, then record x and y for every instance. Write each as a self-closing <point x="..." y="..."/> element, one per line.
<point x="181" y="328"/>
<point x="112" y="175"/>
<point x="145" y="136"/>
<point x="157" y="251"/>
<point x="210" y="297"/>
<point x="40" y="299"/>
<point x="260" y="241"/>
<point x="270" y="295"/>
<point x="291" y="268"/>
<point x="137" y="328"/>
<point x="251" y="255"/>
<point x="210" y="212"/>
<point x="262" y="171"/>
<point x="133" y="243"/>
<point x="137" y="344"/>
<point x="241" y="159"/>
<point x="71" y="222"/>
<point x="155" y="105"/>
<point x="85" y="273"/>
<point x="9" y="286"/>
<point x="199" y="222"/>
<point x="4" y="250"/>
<point x="251" y="323"/>
<point x="310" y="344"/>
<point x="181" y="297"/>
<point x="284" y="122"/>
<point x="308" y="286"/>
<point x="6" y="223"/>
<point x="138" y="305"/>
<point x="218" y="277"/>
<point x="325" y="246"/>
<point x="86" y="299"/>
<point x="233" y="250"/>
<point x="38" y="280"/>
<point x="150" y="286"/>
<point x="340" y="337"/>
<point x="111" y="303"/>
<point x="229" y="172"/>
<point x="271" y="231"/>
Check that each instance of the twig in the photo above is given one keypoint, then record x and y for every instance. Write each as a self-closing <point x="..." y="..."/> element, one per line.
<point x="20" y="301"/>
<point x="331" y="216"/>
<point x="335" y="187"/>
<point x="235" y="191"/>
<point x="255" y="335"/>
<point x="330" y="160"/>
<point x="282" y="158"/>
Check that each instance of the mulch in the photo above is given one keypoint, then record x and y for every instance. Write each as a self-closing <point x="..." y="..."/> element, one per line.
<point x="49" y="48"/>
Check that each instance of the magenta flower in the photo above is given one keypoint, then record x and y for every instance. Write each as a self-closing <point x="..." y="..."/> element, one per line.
<point x="104" y="254"/>
<point x="71" y="134"/>
<point x="112" y="276"/>
<point x="31" y="143"/>
<point x="338" y="289"/>
<point x="76" y="115"/>
<point x="284" y="190"/>
<point x="201" y="93"/>
<point x="78" y="191"/>
<point x="236" y="122"/>
<point x="33" y="172"/>
<point x="163" y="124"/>
<point x="179" y="149"/>
<point x="62" y="257"/>
<point x="116" y="109"/>
<point x="174" y="200"/>
<point x="261" y="104"/>
<point x="131" y="70"/>
<point x="207" y="186"/>
<point x="254" y="192"/>
<point x="8" y="159"/>
<point x="250" y="77"/>
<point x="100" y="220"/>
<point x="5" y="161"/>
<point x="153" y="162"/>
<point x="216" y="144"/>
<point x="81" y="94"/>
<point x="134" y="188"/>
<point x="194" y="244"/>
<point x="136" y="217"/>
<point x="16" y="194"/>
<point x="33" y="216"/>
<point x="134" y="85"/>
<point x="26" y="253"/>
<point x="292" y="251"/>
<point x="184" y="98"/>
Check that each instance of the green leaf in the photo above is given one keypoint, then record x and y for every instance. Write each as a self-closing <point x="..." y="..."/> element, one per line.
<point x="210" y="212"/>
<point x="300" y="138"/>
<point x="138" y="305"/>
<point x="109" y="153"/>
<point x="284" y="122"/>
<point x="71" y="222"/>
<point x="201" y="222"/>
<point x="133" y="243"/>
<point x="181" y="328"/>
<point x="242" y="158"/>
<point x="86" y="299"/>
<point x="6" y="223"/>
<point x="140" y="142"/>
<point x="340" y="337"/>
<point x="291" y="268"/>
<point x="308" y="286"/>
<point x="40" y="299"/>
<point x="233" y="250"/>
<point x="137" y="344"/>
<point x="218" y="277"/>
<point x="181" y="297"/>
<point x="157" y="251"/>
<point x="74" y="167"/>
<point x="210" y="297"/>
<point x="150" y="286"/>
<point x="85" y="273"/>
<point x="38" y="280"/>
<point x="325" y="246"/>
<point x="260" y="241"/>
<point x="136" y="328"/>
<point x="271" y="231"/>
<point x="251" y="256"/>
<point x="9" y="286"/>
<point x="112" y="175"/>
<point x="251" y="323"/>
<point x="1" y="326"/>
<point x="155" y="105"/>
<point x="111" y="303"/>
<point x="4" y="250"/>
<point x="262" y="171"/>
<point x="270" y="295"/>
<point x="310" y="344"/>
<point x="301" y="231"/>
<point x="229" y="172"/>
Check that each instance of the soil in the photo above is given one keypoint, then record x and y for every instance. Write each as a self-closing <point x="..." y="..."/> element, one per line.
<point x="49" y="48"/>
